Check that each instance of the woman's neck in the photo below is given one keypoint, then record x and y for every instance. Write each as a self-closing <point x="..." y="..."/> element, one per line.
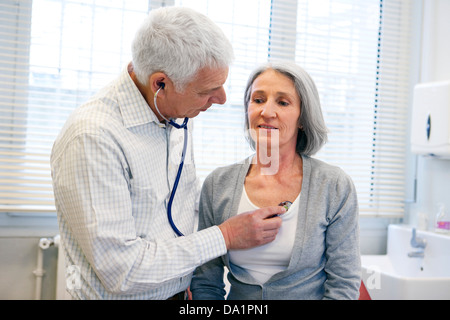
<point x="278" y="165"/>
<point x="268" y="187"/>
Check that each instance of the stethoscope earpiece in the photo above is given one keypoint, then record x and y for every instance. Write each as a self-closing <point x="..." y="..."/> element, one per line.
<point x="171" y="122"/>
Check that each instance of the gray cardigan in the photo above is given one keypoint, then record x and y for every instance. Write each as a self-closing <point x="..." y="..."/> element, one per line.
<point x="325" y="262"/>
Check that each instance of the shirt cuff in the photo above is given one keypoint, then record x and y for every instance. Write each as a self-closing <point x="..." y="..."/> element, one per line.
<point x="211" y="243"/>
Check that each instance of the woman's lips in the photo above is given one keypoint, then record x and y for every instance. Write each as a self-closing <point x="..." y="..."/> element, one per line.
<point x="267" y="127"/>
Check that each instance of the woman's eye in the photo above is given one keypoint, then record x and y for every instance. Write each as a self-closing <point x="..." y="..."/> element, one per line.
<point x="283" y="103"/>
<point x="258" y="100"/>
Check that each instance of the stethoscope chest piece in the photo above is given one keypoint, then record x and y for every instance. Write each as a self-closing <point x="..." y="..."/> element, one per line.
<point x="285" y="204"/>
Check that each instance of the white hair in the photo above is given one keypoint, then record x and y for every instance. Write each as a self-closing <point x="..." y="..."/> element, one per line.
<point x="178" y="42"/>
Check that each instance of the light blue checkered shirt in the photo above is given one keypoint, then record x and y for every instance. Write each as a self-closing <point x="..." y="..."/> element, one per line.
<point x="113" y="166"/>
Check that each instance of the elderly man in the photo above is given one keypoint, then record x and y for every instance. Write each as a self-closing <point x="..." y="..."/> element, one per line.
<point x="116" y="160"/>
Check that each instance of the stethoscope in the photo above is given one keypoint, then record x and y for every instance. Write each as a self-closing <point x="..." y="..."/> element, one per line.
<point x="180" y="167"/>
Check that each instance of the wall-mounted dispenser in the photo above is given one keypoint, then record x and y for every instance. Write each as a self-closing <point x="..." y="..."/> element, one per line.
<point x="430" y="130"/>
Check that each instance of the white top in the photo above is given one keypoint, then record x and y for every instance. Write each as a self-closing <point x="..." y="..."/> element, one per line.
<point x="264" y="261"/>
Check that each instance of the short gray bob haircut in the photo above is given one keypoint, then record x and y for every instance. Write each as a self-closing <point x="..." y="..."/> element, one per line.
<point x="314" y="133"/>
<point x="179" y="42"/>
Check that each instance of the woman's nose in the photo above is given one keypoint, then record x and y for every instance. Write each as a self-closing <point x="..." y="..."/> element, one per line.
<point x="268" y="109"/>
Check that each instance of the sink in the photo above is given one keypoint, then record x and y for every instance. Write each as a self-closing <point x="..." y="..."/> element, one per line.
<point x="397" y="276"/>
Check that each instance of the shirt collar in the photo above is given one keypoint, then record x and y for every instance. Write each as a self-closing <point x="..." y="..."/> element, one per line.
<point x="135" y="110"/>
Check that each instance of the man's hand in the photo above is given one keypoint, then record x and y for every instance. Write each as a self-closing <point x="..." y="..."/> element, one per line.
<point x="252" y="229"/>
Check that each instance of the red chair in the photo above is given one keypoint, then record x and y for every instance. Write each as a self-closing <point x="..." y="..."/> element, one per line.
<point x="363" y="293"/>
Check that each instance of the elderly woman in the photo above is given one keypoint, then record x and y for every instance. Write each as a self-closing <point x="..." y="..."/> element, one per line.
<point x="316" y="252"/>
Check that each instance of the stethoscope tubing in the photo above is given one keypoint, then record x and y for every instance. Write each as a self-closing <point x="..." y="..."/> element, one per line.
<point x="180" y="167"/>
<point x="177" y="179"/>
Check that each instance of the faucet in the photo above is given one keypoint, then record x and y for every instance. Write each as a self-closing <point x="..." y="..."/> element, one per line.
<point x="416" y="254"/>
<point x="419" y="243"/>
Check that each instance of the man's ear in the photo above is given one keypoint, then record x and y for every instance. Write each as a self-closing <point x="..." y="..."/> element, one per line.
<point x="158" y="80"/>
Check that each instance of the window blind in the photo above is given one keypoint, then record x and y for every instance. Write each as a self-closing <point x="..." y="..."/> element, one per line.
<point x="56" y="53"/>
<point x="358" y="53"/>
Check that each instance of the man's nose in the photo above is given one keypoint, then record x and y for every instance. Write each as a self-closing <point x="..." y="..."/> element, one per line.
<point x="219" y="97"/>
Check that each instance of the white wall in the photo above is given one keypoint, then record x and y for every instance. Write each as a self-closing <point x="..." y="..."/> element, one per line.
<point x="18" y="256"/>
<point x="433" y="175"/>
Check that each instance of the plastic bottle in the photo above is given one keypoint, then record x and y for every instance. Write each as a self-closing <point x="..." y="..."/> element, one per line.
<point x="442" y="220"/>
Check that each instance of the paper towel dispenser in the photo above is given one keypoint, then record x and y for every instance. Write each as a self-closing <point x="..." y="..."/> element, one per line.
<point x="430" y="129"/>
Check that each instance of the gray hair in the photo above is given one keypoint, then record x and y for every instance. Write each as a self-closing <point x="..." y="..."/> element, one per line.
<point x="314" y="133"/>
<point x="179" y="42"/>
